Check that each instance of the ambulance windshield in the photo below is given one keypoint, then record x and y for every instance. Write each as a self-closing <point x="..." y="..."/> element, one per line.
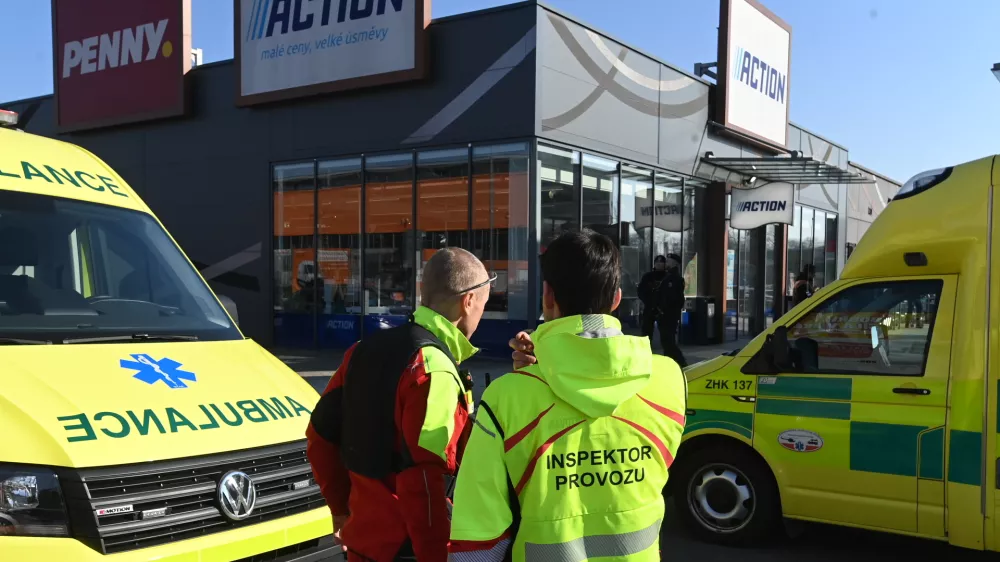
<point x="71" y="270"/>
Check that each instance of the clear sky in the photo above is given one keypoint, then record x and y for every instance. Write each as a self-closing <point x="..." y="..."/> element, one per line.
<point x="905" y="85"/>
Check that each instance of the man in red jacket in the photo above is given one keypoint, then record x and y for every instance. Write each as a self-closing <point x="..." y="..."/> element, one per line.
<point x="386" y="438"/>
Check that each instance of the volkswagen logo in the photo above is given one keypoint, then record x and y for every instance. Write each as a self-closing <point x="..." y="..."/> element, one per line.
<point x="237" y="495"/>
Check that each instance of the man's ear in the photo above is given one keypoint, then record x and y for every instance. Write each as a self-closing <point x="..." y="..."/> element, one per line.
<point x="548" y="297"/>
<point x="618" y="300"/>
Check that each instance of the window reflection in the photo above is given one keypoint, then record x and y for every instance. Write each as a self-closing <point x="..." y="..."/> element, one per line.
<point x="599" y="188"/>
<point x="295" y="291"/>
<point x="389" y="246"/>
<point x="442" y="203"/>
<point x="500" y="198"/>
<point x="690" y="242"/>
<point x="668" y="220"/>
<point x="339" y="225"/>
<point x="637" y="216"/>
<point x="560" y="198"/>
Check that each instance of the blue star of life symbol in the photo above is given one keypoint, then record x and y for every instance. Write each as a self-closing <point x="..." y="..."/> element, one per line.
<point x="150" y="370"/>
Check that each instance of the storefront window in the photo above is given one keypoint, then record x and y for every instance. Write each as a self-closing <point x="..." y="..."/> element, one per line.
<point x="295" y="286"/>
<point x="831" y="247"/>
<point x="770" y="285"/>
<point x="668" y="220"/>
<point x="339" y="254"/>
<point x="560" y="197"/>
<point x="689" y="243"/>
<point x="807" y="237"/>
<point x="637" y="215"/>
<point x="819" y="249"/>
<point x="599" y="188"/>
<point x="390" y="252"/>
<point x="442" y="203"/>
<point x="794" y="244"/>
<point x="500" y="199"/>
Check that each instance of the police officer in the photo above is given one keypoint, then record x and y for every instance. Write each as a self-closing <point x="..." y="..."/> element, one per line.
<point x="580" y="440"/>
<point x="662" y="295"/>
<point x="389" y="431"/>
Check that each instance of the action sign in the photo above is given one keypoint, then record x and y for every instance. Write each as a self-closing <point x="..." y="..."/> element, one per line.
<point x="773" y="203"/>
<point x="119" y="61"/>
<point x="291" y="48"/>
<point x="754" y="62"/>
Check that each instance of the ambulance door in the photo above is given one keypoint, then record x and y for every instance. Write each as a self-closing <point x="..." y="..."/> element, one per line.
<point x="855" y="430"/>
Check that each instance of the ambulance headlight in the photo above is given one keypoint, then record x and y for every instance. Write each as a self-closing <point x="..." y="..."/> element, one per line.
<point x="31" y="503"/>
<point x="922" y="182"/>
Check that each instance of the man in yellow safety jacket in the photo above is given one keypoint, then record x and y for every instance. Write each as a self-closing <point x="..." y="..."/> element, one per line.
<point x="568" y="457"/>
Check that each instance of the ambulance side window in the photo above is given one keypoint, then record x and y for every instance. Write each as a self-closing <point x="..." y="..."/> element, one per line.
<point x="841" y="328"/>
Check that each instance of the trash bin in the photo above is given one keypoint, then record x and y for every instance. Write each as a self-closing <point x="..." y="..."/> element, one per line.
<point x="698" y="321"/>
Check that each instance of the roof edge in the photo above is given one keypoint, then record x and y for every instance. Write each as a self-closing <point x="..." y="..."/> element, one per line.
<point x="873" y="172"/>
<point x="607" y="35"/>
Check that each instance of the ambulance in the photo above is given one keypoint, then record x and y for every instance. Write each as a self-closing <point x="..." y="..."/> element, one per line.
<point x="873" y="404"/>
<point x="138" y="422"/>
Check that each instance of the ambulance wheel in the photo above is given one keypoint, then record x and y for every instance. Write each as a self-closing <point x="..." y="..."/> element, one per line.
<point x="726" y="495"/>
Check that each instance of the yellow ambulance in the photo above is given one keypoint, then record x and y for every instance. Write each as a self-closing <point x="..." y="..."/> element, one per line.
<point x="873" y="404"/>
<point x="138" y="423"/>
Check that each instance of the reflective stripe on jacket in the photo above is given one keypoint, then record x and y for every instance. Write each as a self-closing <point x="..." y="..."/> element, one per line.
<point x="581" y="442"/>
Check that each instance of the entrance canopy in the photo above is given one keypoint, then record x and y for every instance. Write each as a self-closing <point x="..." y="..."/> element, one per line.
<point x="787" y="169"/>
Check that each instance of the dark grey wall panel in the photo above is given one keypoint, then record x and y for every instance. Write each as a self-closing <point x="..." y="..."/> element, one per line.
<point x="207" y="176"/>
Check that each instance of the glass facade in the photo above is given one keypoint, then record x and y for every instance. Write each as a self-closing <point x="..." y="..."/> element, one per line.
<point x="647" y="212"/>
<point x="351" y="236"/>
<point x="500" y="225"/>
<point x="812" y="241"/>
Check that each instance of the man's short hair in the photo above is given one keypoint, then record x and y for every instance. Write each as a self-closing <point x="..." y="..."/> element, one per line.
<point x="583" y="269"/>
<point x="447" y="273"/>
<point x="659" y="259"/>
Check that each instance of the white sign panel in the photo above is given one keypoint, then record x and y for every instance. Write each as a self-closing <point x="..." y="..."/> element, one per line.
<point x="754" y="71"/>
<point x="289" y="48"/>
<point x="773" y="203"/>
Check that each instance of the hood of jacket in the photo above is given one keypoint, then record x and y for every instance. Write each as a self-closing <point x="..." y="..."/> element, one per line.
<point x="590" y="364"/>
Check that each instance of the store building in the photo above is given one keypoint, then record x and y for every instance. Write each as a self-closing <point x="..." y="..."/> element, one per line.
<point x="865" y="202"/>
<point x="313" y="205"/>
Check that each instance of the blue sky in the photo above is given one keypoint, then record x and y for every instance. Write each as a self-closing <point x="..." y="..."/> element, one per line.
<point x="905" y="85"/>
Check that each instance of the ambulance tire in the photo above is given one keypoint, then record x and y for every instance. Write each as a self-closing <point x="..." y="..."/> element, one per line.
<point x="712" y="481"/>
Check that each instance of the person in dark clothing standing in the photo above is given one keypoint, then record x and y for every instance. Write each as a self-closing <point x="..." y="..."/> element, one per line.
<point x="803" y="287"/>
<point x="662" y="294"/>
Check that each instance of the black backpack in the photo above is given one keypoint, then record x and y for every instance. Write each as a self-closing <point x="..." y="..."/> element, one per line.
<point x="359" y="416"/>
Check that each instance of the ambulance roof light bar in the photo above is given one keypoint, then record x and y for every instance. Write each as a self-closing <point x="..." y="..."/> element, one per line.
<point x="8" y="118"/>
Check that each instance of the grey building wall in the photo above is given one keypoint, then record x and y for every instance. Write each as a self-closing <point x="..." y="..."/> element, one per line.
<point x="207" y="175"/>
<point x="865" y="202"/>
<point x="595" y="92"/>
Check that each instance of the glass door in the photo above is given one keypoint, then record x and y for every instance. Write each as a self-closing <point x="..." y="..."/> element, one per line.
<point x="338" y="258"/>
<point x="296" y="290"/>
<point x="390" y="254"/>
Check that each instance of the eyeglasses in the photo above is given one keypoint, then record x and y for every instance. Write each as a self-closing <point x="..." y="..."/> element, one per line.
<point x="492" y="282"/>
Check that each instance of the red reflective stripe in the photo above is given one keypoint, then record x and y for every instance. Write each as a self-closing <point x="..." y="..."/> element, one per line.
<point x="667" y="457"/>
<point x="538" y="454"/>
<point x="665" y="411"/>
<point x="536" y="377"/>
<point x="517" y="437"/>
<point x="472" y="546"/>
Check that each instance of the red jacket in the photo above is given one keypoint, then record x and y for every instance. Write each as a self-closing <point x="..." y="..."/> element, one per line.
<point x="413" y="503"/>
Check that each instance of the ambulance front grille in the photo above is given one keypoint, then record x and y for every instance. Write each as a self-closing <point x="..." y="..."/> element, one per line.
<point x="161" y="502"/>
